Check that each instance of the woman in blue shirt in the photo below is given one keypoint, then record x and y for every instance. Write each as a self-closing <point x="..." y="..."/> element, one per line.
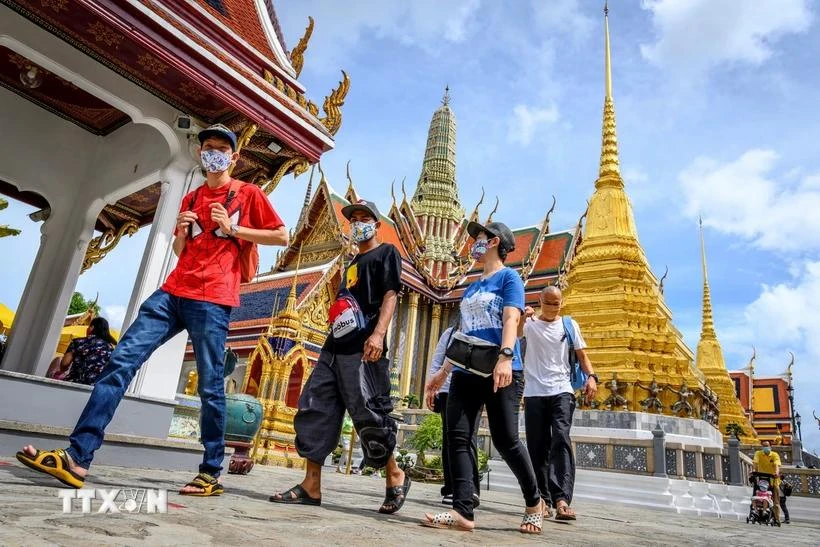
<point x="490" y="309"/>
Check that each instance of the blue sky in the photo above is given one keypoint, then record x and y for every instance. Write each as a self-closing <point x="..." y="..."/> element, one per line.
<point x="715" y="103"/>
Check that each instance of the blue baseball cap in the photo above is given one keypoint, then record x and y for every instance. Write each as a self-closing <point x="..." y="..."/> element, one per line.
<point x="220" y="131"/>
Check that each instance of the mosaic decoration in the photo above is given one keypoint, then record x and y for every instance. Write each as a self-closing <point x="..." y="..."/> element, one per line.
<point x="630" y="458"/>
<point x="813" y="483"/>
<point x="671" y="462"/>
<point x="795" y="480"/>
<point x="592" y="455"/>
<point x="724" y="462"/>
<point x="709" y="467"/>
<point x="690" y="469"/>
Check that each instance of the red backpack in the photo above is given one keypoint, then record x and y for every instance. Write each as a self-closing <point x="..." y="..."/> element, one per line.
<point x="248" y="251"/>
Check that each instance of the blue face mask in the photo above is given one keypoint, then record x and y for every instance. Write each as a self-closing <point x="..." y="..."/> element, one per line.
<point x="215" y="161"/>
<point x="766" y="449"/>
<point x="362" y="231"/>
<point x="479" y="248"/>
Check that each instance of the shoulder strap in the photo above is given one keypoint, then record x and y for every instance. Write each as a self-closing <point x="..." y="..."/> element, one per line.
<point x="569" y="330"/>
<point x="233" y="190"/>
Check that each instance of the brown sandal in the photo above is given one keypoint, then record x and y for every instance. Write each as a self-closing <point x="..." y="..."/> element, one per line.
<point x="564" y="512"/>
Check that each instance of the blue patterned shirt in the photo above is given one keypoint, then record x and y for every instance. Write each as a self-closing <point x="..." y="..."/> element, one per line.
<point x="482" y="308"/>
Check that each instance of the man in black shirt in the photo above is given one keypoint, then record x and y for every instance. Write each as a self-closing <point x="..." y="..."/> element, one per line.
<point x="352" y="371"/>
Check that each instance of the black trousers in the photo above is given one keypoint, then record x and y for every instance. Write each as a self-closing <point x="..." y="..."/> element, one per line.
<point x="783" y="507"/>
<point x="345" y="381"/>
<point x="547" y="421"/>
<point x="447" y="489"/>
<point x="468" y="393"/>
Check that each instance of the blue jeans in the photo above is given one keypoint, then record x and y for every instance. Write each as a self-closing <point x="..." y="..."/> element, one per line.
<point x="160" y="318"/>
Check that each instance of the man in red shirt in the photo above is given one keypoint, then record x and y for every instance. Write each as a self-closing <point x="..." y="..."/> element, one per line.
<point x="214" y="222"/>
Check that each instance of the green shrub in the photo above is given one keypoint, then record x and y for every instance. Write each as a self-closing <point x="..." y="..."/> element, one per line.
<point x="428" y="436"/>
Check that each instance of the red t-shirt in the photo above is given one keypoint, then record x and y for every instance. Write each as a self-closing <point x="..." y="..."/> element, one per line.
<point x="208" y="267"/>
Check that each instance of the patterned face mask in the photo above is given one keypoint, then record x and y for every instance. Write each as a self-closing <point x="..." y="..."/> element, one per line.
<point x="215" y="161"/>
<point x="362" y="231"/>
<point x="479" y="248"/>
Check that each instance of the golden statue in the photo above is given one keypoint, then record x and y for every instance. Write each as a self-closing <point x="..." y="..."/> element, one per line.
<point x="191" y="385"/>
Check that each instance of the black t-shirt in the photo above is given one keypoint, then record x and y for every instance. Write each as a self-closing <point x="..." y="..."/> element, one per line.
<point x="368" y="277"/>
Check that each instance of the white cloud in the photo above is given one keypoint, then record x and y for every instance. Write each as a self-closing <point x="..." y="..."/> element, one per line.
<point x="744" y="198"/>
<point x="340" y="25"/>
<point x="783" y="319"/>
<point x="563" y="15"/>
<point x="696" y="35"/>
<point x="526" y="121"/>
<point x="115" y="314"/>
<point x="642" y="191"/>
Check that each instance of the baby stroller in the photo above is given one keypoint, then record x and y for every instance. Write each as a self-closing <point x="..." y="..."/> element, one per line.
<point x="761" y="508"/>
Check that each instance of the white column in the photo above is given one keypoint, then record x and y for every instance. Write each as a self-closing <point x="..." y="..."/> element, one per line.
<point x="41" y="313"/>
<point x="159" y="376"/>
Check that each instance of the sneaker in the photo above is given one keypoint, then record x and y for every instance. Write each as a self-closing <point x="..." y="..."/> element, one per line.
<point x="447" y="500"/>
<point x="476" y="501"/>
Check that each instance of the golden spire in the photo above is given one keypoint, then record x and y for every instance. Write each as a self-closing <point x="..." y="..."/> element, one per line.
<point x="708" y="327"/>
<point x="290" y="303"/>
<point x="288" y="319"/>
<point x="609" y="170"/>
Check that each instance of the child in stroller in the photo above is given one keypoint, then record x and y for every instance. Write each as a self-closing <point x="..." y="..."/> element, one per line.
<point x="761" y="508"/>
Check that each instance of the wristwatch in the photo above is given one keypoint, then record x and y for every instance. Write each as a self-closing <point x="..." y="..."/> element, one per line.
<point x="234" y="230"/>
<point x="507" y="352"/>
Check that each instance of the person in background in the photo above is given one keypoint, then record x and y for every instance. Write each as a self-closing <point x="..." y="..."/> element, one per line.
<point x="786" y="489"/>
<point x="549" y="400"/>
<point x="768" y="461"/>
<point x="85" y="358"/>
<point x="438" y="403"/>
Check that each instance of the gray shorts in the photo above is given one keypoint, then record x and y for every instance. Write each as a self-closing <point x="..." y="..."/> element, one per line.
<point x="340" y="382"/>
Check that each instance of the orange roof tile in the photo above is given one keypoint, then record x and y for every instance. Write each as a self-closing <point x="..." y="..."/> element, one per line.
<point x="242" y="18"/>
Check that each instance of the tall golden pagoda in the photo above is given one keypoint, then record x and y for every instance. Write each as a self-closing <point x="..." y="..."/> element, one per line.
<point x="435" y="202"/>
<point x="710" y="362"/>
<point x="617" y="301"/>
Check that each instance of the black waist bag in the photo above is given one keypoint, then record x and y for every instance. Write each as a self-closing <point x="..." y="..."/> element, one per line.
<point x="472" y="354"/>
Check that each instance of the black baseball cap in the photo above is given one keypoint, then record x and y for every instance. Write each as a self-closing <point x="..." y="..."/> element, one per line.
<point x="220" y="131"/>
<point x="362" y="205"/>
<point x="493" y="229"/>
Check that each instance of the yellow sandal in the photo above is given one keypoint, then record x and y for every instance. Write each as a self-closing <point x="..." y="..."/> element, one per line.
<point x="54" y="463"/>
<point x="209" y="485"/>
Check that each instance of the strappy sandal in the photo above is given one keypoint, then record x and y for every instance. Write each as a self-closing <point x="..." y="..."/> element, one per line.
<point x="296" y="496"/>
<point x="54" y="463"/>
<point x="548" y="514"/>
<point x="443" y="521"/>
<point x="395" y="496"/>
<point x="535" y="520"/>
<point x="209" y="485"/>
<point x="563" y="512"/>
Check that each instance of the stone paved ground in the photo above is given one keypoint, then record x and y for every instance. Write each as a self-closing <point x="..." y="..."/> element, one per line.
<point x="31" y="514"/>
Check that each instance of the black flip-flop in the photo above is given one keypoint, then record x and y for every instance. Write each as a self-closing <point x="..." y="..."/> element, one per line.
<point x="296" y="496"/>
<point x="395" y="496"/>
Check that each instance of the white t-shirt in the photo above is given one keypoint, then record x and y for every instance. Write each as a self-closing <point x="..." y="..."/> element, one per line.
<point x="546" y="363"/>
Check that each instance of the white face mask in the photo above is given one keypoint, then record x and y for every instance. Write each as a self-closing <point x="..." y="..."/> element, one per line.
<point x="362" y="231"/>
<point x="215" y="161"/>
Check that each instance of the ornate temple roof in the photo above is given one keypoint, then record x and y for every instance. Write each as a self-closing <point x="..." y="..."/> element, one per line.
<point x="219" y="61"/>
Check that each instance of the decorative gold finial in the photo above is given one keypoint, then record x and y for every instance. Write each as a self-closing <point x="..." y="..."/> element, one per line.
<point x="403" y="193"/>
<point x="490" y="218"/>
<point x="446" y="99"/>
<point x="322" y="178"/>
<point x="708" y="326"/>
<point x="609" y="168"/>
<point x="297" y="56"/>
<point x="333" y="105"/>
<point x="349" y="178"/>
<point x="789" y="368"/>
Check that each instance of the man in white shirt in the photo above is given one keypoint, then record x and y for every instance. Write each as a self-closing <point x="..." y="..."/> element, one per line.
<point x="438" y="404"/>
<point x="549" y="400"/>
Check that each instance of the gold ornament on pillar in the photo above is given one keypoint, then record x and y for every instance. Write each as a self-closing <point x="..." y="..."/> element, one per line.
<point x="103" y="244"/>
